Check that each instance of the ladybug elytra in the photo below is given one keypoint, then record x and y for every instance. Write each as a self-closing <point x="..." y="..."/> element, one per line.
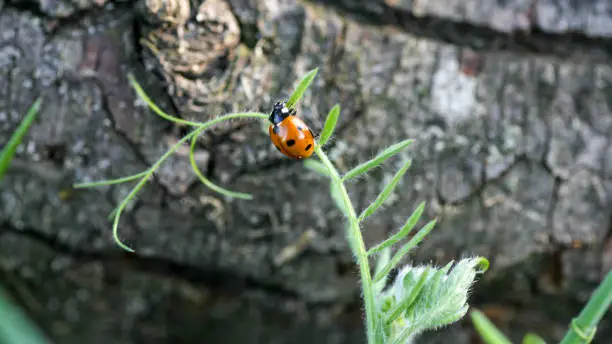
<point x="289" y="133"/>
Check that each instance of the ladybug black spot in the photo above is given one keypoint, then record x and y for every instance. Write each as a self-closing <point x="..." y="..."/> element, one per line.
<point x="308" y="147"/>
<point x="275" y="129"/>
<point x="290" y="142"/>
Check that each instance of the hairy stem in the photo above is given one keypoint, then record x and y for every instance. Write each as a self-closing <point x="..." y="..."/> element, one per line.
<point x="357" y="245"/>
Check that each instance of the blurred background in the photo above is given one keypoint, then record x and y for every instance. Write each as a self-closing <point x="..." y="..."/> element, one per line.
<point x="509" y="104"/>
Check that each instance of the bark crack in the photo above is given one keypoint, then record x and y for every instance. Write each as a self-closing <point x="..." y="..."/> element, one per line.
<point x="216" y="279"/>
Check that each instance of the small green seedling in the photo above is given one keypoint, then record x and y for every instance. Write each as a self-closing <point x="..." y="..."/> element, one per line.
<point x="421" y="298"/>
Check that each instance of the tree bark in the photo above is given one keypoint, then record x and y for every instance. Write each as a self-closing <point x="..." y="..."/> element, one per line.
<point x="509" y="104"/>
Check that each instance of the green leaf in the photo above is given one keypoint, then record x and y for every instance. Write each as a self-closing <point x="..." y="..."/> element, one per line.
<point x="532" y="338"/>
<point x="155" y="108"/>
<point x="380" y="335"/>
<point x="110" y="181"/>
<point x="405" y="250"/>
<point x="316" y="166"/>
<point x="404" y="337"/>
<point x="483" y="263"/>
<point x="15" y="327"/>
<point x="207" y="182"/>
<point x="488" y="332"/>
<point x="436" y="282"/>
<point x="402" y="233"/>
<point x="387" y="191"/>
<point x="330" y="125"/>
<point x="337" y="197"/>
<point x="383" y="258"/>
<point x="7" y="153"/>
<point x="377" y="160"/>
<point x="301" y="88"/>
<point x="450" y="318"/>
<point x="441" y="301"/>
<point x="414" y="287"/>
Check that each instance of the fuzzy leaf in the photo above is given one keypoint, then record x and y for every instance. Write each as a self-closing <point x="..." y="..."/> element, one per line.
<point x="330" y="124"/>
<point x="387" y="191"/>
<point x="413" y="287"/>
<point x="404" y="338"/>
<point x="301" y="88"/>
<point x="441" y="301"/>
<point x="7" y="153"/>
<point x="317" y="167"/>
<point x="377" y="160"/>
<point x="384" y="255"/>
<point x="488" y="332"/>
<point x="402" y="233"/>
<point x="337" y="197"/>
<point x="405" y="250"/>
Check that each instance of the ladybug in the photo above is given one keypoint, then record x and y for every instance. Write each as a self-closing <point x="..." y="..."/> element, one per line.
<point x="289" y="133"/>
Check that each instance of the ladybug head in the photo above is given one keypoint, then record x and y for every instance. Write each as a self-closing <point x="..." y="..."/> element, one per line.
<point x="280" y="112"/>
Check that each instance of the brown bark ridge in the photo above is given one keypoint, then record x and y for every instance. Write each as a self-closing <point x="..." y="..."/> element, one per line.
<point x="509" y="103"/>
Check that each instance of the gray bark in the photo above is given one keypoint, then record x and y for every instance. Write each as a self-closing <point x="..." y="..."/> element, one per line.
<point x="509" y="104"/>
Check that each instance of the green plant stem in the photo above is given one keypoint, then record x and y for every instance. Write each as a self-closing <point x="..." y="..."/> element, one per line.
<point x="583" y="327"/>
<point x="111" y="181"/>
<point x="357" y="245"/>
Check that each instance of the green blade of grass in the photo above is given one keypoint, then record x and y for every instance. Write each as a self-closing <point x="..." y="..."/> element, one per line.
<point x="155" y="108"/>
<point x="15" y="327"/>
<point x="532" y="338"/>
<point x="316" y="166"/>
<point x="7" y="153"/>
<point x="421" y="234"/>
<point x="207" y="182"/>
<point x="377" y="160"/>
<point x="384" y="195"/>
<point x="301" y="88"/>
<point x="583" y="327"/>
<point x="330" y="125"/>
<point x="488" y="332"/>
<point x="402" y="233"/>
<point x="110" y="181"/>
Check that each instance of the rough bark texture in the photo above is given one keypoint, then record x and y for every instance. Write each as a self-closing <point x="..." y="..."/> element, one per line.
<point x="510" y="104"/>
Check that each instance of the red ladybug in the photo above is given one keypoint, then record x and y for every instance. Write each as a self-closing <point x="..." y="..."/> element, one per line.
<point x="289" y="133"/>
